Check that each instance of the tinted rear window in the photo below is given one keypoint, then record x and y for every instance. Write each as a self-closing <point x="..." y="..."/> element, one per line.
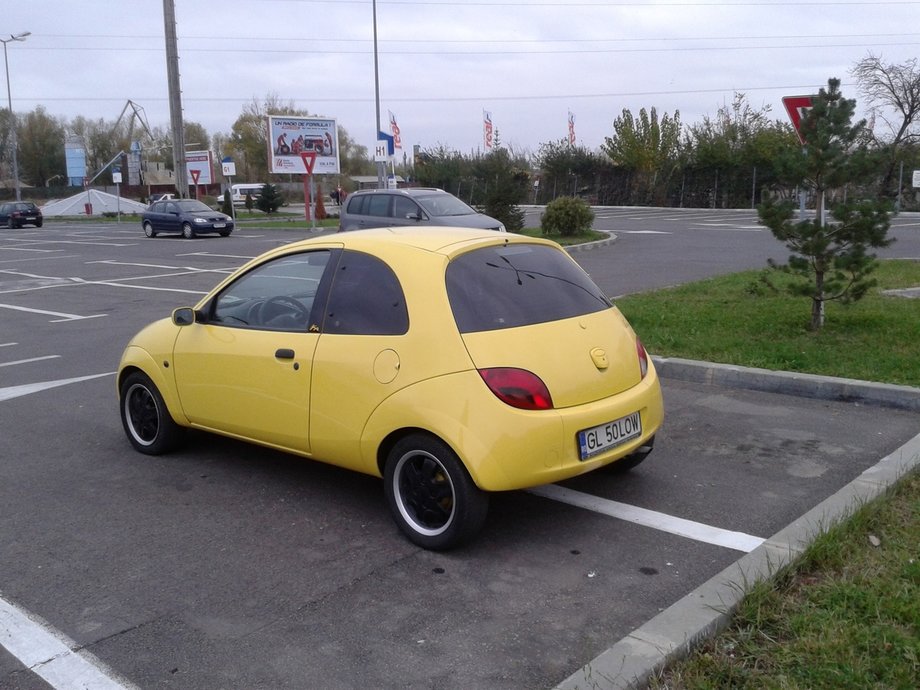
<point x="518" y="285"/>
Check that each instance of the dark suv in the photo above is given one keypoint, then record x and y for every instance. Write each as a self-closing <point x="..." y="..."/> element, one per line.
<point x="15" y="214"/>
<point x="380" y="208"/>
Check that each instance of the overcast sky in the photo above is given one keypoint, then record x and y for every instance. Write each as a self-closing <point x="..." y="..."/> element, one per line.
<point x="442" y="63"/>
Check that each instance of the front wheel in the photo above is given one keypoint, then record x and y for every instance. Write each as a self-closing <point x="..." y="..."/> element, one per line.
<point x="432" y="497"/>
<point x="147" y="422"/>
<point x="187" y="231"/>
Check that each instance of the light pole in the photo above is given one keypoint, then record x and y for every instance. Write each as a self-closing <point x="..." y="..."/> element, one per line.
<point x="9" y="100"/>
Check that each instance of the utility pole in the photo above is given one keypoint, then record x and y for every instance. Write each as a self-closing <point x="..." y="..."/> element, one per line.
<point x="381" y="167"/>
<point x="9" y="100"/>
<point x="175" y="97"/>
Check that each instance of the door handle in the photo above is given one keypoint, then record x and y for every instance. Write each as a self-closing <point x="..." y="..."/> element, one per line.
<point x="284" y="353"/>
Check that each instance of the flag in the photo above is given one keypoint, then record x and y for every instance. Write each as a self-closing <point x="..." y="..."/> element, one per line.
<point x="571" y="128"/>
<point x="487" y="138"/>
<point x="394" y="130"/>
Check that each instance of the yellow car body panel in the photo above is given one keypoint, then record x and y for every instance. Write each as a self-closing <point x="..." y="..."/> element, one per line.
<point x="342" y="398"/>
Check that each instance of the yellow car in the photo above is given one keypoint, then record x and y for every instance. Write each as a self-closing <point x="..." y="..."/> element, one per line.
<point x="450" y="362"/>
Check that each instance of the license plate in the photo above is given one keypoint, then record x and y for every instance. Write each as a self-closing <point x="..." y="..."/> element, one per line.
<point x="220" y="225"/>
<point x="610" y="435"/>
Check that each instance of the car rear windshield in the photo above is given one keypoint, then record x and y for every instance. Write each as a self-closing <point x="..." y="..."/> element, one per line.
<point x="518" y="285"/>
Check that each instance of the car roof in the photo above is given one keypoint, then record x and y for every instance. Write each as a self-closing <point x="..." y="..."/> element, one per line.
<point x="445" y="240"/>
<point x="410" y="191"/>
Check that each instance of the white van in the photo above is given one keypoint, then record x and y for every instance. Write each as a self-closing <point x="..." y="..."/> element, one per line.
<point x="238" y="192"/>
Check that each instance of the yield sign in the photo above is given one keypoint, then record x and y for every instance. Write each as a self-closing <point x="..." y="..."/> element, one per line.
<point x="797" y="106"/>
<point x="309" y="158"/>
<point x="195" y="175"/>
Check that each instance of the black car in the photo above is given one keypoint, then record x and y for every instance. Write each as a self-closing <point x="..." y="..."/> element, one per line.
<point x="188" y="217"/>
<point x="15" y="214"/>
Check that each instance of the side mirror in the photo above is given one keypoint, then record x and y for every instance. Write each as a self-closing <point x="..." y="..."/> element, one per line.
<point x="184" y="316"/>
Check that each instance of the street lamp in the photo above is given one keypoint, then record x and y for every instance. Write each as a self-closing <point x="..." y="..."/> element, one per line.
<point x="9" y="100"/>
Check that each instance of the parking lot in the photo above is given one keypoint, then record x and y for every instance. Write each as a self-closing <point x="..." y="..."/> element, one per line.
<point x="226" y="565"/>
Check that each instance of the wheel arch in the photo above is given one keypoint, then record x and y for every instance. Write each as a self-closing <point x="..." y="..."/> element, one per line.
<point x="136" y="359"/>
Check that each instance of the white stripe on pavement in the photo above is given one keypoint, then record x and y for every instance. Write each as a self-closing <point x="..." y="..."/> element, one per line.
<point x="51" y="655"/>
<point x="650" y="518"/>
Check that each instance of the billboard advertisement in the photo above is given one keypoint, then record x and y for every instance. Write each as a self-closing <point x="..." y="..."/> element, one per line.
<point x="289" y="136"/>
<point x="200" y="161"/>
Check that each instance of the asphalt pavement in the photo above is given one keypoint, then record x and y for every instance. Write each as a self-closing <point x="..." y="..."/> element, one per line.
<point x="226" y="565"/>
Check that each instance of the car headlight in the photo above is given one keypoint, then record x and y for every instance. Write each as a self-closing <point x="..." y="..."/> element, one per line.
<point x="200" y="220"/>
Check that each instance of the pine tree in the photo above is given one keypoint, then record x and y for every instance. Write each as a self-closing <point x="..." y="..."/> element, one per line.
<point x="830" y="258"/>
<point x="270" y="199"/>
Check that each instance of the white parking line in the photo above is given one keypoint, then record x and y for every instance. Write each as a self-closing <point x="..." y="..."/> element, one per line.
<point x="110" y="283"/>
<point x="11" y="392"/>
<point x="650" y="518"/>
<point x="217" y="256"/>
<point x="48" y="653"/>
<point x="64" y="317"/>
<point x="27" y="361"/>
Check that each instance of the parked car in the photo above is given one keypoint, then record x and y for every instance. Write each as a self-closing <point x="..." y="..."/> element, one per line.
<point x="188" y="217"/>
<point x="163" y="196"/>
<point x="377" y="208"/>
<point x="15" y="214"/>
<point x="451" y="362"/>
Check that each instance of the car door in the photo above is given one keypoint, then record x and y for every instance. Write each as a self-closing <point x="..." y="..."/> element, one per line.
<point x="246" y="369"/>
<point x="357" y="361"/>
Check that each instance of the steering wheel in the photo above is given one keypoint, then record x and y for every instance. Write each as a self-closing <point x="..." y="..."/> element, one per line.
<point x="278" y="306"/>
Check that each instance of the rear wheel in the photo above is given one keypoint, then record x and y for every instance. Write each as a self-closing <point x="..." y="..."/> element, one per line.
<point x="187" y="231"/>
<point x="147" y="422"/>
<point x="148" y="229"/>
<point x="431" y="495"/>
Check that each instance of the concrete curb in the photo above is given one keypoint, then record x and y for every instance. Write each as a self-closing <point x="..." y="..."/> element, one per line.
<point x="707" y="610"/>
<point x="790" y="383"/>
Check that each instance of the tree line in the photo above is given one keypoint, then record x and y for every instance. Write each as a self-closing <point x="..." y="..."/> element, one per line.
<point x="726" y="160"/>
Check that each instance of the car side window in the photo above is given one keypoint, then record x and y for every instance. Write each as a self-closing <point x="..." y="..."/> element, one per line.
<point x="276" y="296"/>
<point x="171" y="207"/>
<point x="356" y="204"/>
<point x="365" y="298"/>
<point x="404" y="208"/>
<point x="378" y="205"/>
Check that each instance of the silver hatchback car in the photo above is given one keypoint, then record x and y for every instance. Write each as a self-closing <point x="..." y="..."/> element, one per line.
<point x="379" y="208"/>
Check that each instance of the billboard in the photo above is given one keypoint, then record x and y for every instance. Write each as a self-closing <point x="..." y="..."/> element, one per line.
<point x="200" y="161"/>
<point x="290" y="136"/>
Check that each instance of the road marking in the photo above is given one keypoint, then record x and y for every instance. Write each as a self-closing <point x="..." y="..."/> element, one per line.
<point x="650" y="518"/>
<point x="27" y="361"/>
<point x="64" y="317"/>
<point x="217" y="256"/>
<point x="48" y="653"/>
<point x="643" y="232"/>
<point x="11" y="392"/>
<point x="187" y="269"/>
<point x="8" y="344"/>
<point x="110" y="283"/>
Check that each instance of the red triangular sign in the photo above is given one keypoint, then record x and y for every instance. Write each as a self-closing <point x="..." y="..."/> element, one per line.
<point x="195" y="175"/>
<point x="309" y="158"/>
<point x="796" y="107"/>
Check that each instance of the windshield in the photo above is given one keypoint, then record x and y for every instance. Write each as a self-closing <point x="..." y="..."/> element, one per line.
<point x="193" y="206"/>
<point x="518" y="285"/>
<point x="444" y="205"/>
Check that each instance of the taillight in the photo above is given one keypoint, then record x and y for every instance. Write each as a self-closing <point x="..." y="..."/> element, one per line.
<point x="518" y="387"/>
<point x="643" y="358"/>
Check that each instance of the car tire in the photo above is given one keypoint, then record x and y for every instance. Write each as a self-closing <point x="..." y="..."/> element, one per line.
<point x="148" y="229"/>
<point x="146" y="420"/>
<point x="632" y="460"/>
<point x="39" y="224"/>
<point x="432" y="497"/>
<point x="225" y="233"/>
<point x="187" y="231"/>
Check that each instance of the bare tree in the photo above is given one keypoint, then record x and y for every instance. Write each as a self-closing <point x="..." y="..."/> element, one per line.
<point x="892" y="94"/>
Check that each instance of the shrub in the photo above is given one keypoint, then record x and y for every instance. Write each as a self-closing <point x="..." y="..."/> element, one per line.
<point x="566" y="216"/>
